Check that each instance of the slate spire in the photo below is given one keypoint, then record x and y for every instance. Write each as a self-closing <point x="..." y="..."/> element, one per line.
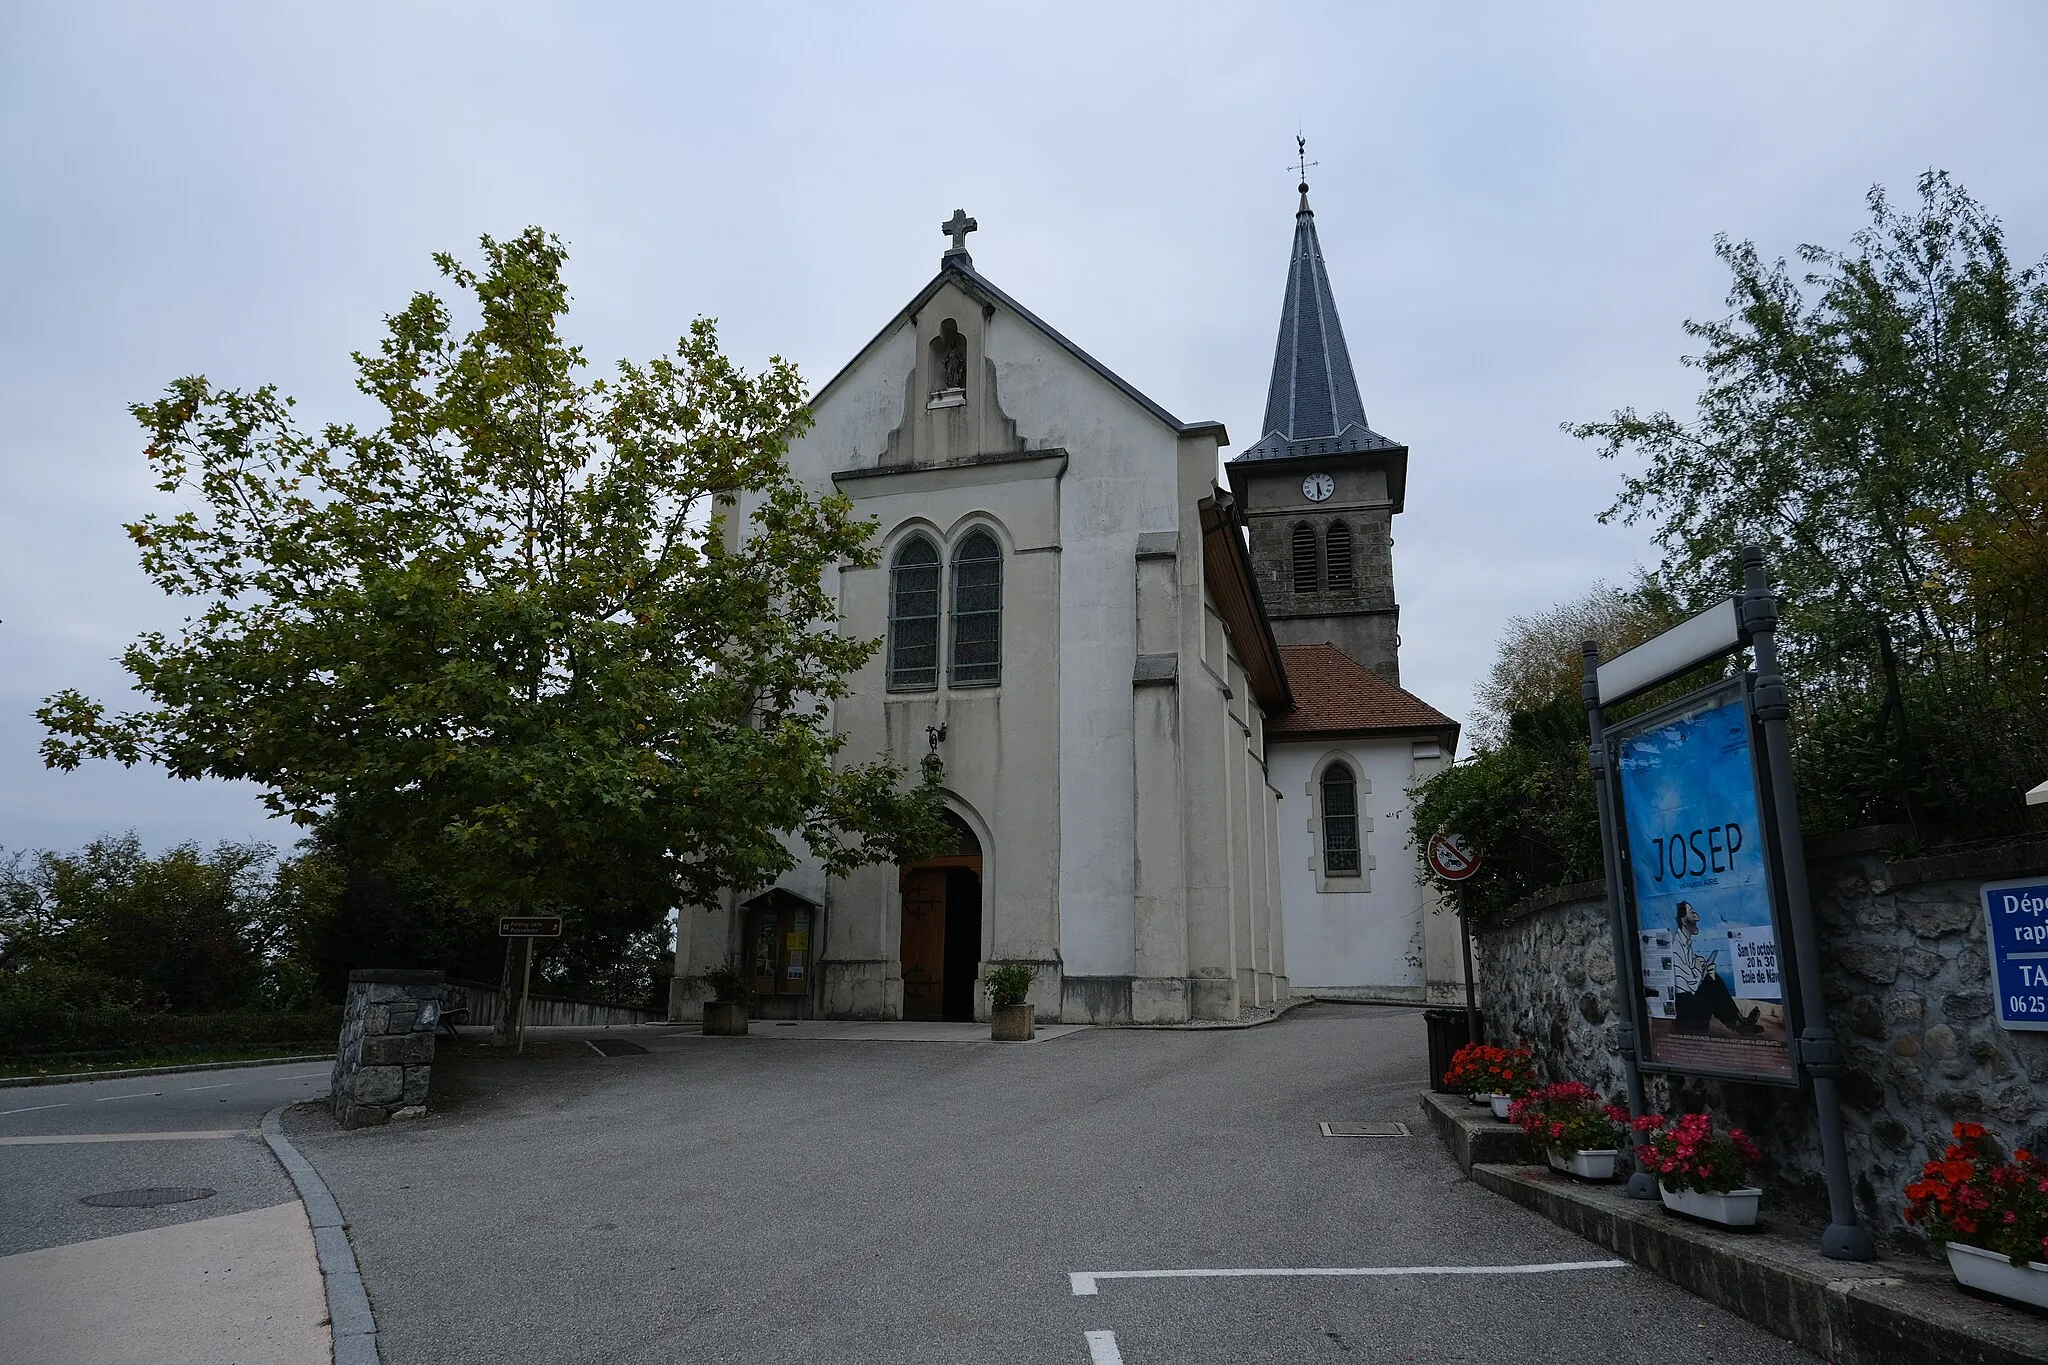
<point x="1313" y="395"/>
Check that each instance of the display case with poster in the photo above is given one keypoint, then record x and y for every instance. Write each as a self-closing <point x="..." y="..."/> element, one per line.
<point x="777" y="946"/>
<point x="1701" y="890"/>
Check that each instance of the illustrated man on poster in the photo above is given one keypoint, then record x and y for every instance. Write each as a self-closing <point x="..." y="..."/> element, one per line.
<point x="1702" y="996"/>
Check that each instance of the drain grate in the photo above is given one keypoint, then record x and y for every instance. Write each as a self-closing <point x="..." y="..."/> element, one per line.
<point x="146" y="1199"/>
<point x="1367" y="1130"/>
<point x="617" y="1047"/>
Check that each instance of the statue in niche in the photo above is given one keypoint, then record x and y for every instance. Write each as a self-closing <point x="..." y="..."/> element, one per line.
<point x="950" y="349"/>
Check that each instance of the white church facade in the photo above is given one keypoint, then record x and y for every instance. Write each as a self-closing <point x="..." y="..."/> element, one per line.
<point x="1147" y="719"/>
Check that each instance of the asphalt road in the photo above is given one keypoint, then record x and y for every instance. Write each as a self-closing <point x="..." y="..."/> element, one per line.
<point x="41" y="1184"/>
<point x="776" y="1200"/>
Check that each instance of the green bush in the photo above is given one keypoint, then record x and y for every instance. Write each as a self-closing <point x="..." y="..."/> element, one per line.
<point x="1009" y="982"/>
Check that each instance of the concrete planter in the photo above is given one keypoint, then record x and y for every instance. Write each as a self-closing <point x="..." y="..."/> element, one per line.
<point x="1993" y="1273"/>
<point x="1011" y="1023"/>
<point x="1586" y="1165"/>
<point x="1733" y="1209"/>
<point x="725" y="1018"/>
<point x="1500" y="1104"/>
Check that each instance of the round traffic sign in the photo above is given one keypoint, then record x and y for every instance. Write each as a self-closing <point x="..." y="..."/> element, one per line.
<point x="1452" y="858"/>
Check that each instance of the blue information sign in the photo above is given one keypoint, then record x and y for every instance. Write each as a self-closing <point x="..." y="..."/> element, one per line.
<point x="2016" y="927"/>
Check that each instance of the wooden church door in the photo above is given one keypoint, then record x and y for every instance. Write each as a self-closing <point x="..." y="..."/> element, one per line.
<point x="924" y="942"/>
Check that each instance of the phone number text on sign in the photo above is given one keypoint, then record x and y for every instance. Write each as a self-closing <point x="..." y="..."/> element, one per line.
<point x="2016" y="928"/>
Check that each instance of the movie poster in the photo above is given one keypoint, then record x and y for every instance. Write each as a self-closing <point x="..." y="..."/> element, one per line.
<point x="1705" y="934"/>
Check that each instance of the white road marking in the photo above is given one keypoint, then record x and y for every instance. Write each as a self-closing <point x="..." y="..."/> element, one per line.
<point x="1084" y="1281"/>
<point x="33" y="1107"/>
<point x="303" y="1075"/>
<point x="138" y="1095"/>
<point x="222" y="1085"/>
<point x="54" y="1139"/>
<point x="1102" y="1349"/>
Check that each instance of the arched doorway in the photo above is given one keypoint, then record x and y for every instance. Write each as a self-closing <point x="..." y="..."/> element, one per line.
<point x="941" y="943"/>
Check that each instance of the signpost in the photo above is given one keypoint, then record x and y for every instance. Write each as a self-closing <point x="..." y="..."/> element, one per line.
<point x="1453" y="859"/>
<point x="2016" y="928"/>
<point x="528" y="927"/>
<point x="1706" y="878"/>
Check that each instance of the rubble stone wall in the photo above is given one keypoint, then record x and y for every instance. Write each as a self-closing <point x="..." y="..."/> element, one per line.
<point x="1906" y="973"/>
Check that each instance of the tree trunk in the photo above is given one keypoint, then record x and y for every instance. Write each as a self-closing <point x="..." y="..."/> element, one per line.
<point x="508" y="1001"/>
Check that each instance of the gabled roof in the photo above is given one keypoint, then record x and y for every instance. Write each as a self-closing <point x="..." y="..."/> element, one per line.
<point x="1312" y="403"/>
<point x="958" y="267"/>
<point x="1334" y="694"/>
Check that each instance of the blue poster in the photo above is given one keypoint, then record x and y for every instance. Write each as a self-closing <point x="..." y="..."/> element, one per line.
<point x="2016" y="927"/>
<point x="1713" y="993"/>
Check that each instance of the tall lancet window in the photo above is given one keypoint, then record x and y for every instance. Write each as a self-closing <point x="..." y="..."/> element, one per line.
<point x="1340" y="822"/>
<point x="914" y="617"/>
<point x="977" y="612"/>
<point x="1337" y="555"/>
<point x="1307" y="572"/>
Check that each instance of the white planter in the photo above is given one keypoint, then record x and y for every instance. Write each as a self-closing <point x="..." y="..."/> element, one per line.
<point x="1735" y="1209"/>
<point x="1481" y="1100"/>
<point x="1500" y="1105"/>
<point x="1586" y="1165"/>
<point x="1996" y="1274"/>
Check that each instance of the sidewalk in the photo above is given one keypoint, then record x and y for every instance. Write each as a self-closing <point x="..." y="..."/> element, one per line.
<point x="1902" y="1310"/>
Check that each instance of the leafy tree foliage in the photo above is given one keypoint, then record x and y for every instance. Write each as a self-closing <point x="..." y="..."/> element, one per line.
<point x="1868" y="421"/>
<point x="504" y="635"/>
<point x="1540" y="658"/>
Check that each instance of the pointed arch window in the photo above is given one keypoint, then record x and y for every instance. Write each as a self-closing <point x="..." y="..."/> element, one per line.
<point x="977" y="612"/>
<point x="1340" y="822"/>
<point x="1337" y="555"/>
<point x="1307" y="572"/>
<point x="914" y="617"/>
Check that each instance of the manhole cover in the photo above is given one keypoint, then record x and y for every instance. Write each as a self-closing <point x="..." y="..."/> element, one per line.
<point x="617" y="1047"/>
<point x="1388" y="1129"/>
<point x="146" y="1199"/>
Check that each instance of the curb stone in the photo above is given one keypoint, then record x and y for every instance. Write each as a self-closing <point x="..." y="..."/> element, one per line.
<point x="353" y="1325"/>
<point x="69" y="1077"/>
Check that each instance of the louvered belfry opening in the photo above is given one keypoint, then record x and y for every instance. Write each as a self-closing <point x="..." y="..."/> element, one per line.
<point x="914" y="617"/>
<point x="1307" y="575"/>
<point x="1337" y="555"/>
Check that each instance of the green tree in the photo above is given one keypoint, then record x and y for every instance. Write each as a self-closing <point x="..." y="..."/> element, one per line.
<point x="1847" y="413"/>
<point x="1540" y="657"/>
<point x="503" y="634"/>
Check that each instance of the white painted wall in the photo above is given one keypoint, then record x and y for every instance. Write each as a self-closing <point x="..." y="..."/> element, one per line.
<point x="1370" y="942"/>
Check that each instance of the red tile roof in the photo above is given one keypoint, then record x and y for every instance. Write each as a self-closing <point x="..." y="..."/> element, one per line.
<point x="1335" y="694"/>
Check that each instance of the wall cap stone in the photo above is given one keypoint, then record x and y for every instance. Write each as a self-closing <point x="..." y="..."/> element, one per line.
<point x="394" y="976"/>
<point x="1571" y="893"/>
<point x="2019" y="858"/>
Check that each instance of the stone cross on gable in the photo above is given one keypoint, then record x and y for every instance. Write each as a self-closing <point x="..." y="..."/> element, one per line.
<point x="957" y="227"/>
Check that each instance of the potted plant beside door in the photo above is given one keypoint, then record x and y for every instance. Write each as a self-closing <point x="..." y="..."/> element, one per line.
<point x="1989" y="1215"/>
<point x="725" y="1013"/>
<point x="1009" y="1013"/>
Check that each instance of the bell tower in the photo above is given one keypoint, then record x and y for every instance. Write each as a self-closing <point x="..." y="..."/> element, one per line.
<point x="1320" y="488"/>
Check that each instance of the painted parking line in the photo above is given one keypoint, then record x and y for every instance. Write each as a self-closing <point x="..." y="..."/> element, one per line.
<point x="138" y="1095"/>
<point x="33" y="1107"/>
<point x="218" y="1085"/>
<point x="1084" y="1281"/>
<point x="1102" y="1349"/>
<point x="54" y="1139"/>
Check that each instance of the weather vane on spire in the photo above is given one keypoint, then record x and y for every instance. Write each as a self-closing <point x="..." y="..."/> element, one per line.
<point x="1302" y="163"/>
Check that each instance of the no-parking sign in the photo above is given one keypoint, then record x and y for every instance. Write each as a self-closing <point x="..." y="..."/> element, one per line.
<point x="1452" y="858"/>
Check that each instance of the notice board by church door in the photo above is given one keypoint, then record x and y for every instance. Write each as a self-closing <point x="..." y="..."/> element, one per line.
<point x="924" y="943"/>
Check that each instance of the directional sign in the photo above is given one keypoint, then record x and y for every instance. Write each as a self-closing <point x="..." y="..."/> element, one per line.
<point x="529" y="926"/>
<point x="1452" y="858"/>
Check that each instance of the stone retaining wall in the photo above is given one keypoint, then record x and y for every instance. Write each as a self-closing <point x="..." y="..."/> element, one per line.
<point x="1906" y="975"/>
<point x="387" y="1046"/>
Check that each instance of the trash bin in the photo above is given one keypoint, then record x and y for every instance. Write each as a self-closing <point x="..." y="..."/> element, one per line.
<point x="1446" y="1036"/>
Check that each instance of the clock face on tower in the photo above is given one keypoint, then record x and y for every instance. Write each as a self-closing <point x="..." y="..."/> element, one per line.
<point x="1316" y="487"/>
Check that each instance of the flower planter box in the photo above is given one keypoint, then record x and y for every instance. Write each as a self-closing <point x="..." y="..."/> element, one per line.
<point x="1589" y="1165"/>
<point x="1994" y="1273"/>
<point x="1500" y="1104"/>
<point x="1011" y="1023"/>
<point x="1734" y="1209"/>
<point x="1481" y="1100"/>
<point x="725" y="1018"/>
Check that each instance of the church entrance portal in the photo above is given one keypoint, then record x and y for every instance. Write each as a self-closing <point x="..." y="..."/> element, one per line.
<point x="941" y="950"/>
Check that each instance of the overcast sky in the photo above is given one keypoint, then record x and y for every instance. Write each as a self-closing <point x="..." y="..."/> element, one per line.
<point x="1517" y="203"/>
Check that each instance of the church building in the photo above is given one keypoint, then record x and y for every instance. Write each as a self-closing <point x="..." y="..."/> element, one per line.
<point x="1177" y="753"/>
